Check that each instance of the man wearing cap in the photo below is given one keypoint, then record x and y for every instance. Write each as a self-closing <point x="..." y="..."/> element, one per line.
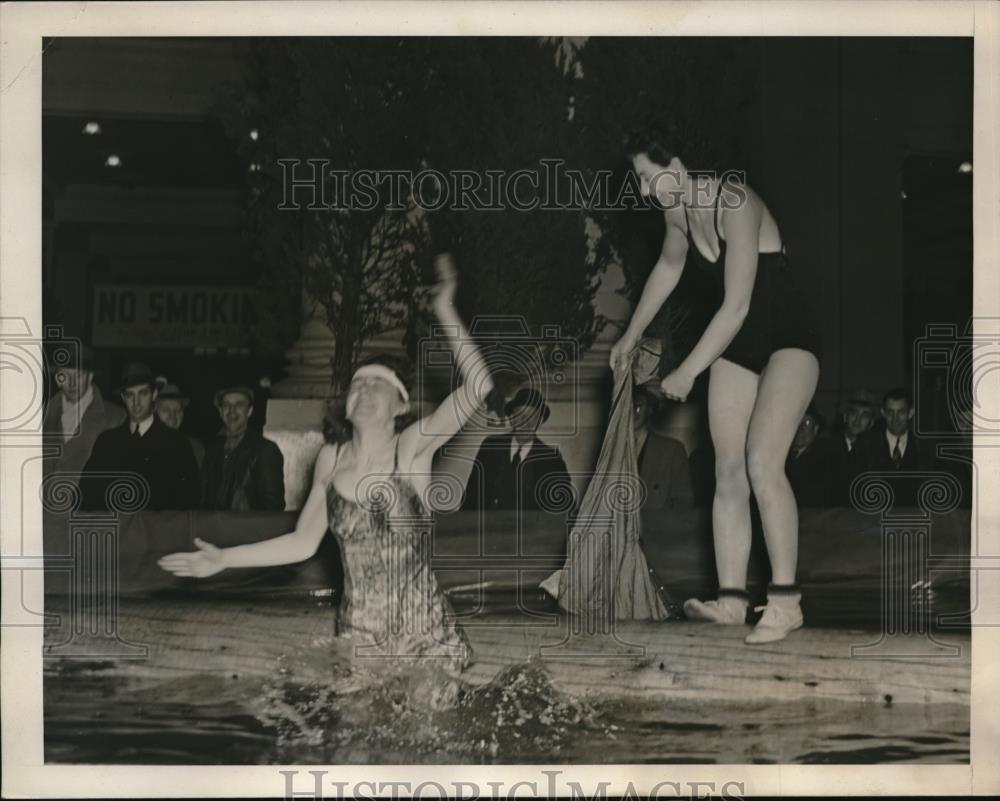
<point x="844" y="454"/>
<point x="142" y="445"/>
<point x="511" y="467"/>
<point x="77" y="414"/>
<point x="170" y="406"/>
<point x="242" y="470"/>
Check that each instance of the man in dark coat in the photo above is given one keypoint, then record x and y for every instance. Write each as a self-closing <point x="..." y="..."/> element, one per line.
<point x="142" y="445"/>
<point x="843" y="455"/>
<point x="170" y="406"/>
<point x="896" y="448"/>
<point x="662" y="461"/>
<point x="518" y="470"/>
<point x="77" y="415"/>
<point x="805" y="470"/>
<point x="242" y="470"/>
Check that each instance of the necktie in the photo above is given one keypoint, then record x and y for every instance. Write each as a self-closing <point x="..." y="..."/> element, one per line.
<point x="135" y="433"/>
<point x="897" y="454"/>
<point x="516" y="461"/>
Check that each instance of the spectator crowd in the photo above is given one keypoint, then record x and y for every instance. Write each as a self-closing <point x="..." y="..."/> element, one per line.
<point x="100" y="442"/>
<point x="241" y="470"/>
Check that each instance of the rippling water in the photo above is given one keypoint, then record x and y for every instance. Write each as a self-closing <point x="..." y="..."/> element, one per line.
<point x="525" y="721"/>
<point x="290" y="716"/>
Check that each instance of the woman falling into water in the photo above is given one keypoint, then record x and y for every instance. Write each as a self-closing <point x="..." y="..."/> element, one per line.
<point x="369" y="489"/>
<point x="763" y="350"/>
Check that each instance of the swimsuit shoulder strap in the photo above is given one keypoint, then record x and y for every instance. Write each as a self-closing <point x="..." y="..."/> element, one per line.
<point x="336" y="459"/>
<point x="715" y="217"/>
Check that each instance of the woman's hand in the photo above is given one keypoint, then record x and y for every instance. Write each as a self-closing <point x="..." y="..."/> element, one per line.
<point x="444" y="292"/>
<point x="677" y="385"/>
<point x="206" y="561"/>
<point x="622" y="351"/>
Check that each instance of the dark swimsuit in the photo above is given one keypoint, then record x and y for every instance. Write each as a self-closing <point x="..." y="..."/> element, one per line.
<point x="780" y="315"/>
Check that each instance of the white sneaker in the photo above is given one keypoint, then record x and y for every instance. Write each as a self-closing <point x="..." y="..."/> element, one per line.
<point x="727" y="611"/>
<point x="777" y="622"/>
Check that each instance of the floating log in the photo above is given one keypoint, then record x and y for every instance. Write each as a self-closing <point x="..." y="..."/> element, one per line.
<point x="239" y="640"/>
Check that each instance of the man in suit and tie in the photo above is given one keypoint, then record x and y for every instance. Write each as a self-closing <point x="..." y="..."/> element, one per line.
<point x="517" y="470"/>
<point x="142" y="445"/>
<point x="896" y="448"/>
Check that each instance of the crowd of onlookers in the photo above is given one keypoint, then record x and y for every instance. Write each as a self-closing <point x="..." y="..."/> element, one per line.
<point x="868" y="437"/>
<point x="100" y="441"/>
<point x="822" y="463"/>
<point x="240" y="470"/>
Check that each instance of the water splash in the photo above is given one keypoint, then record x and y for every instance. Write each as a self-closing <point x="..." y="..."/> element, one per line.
<point x="343" y="713"/>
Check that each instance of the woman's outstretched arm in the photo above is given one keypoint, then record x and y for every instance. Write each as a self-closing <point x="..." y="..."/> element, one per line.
<point x="433" y="431"/>
<point x="296" y="546"/>
<point x="661" y="282"/>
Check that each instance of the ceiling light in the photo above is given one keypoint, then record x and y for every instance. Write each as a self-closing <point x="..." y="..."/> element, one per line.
<point x="92" y="128"/>
<point x="965" y="166"/>
<point x="254" y="134"/>
<point x="113" y="161"/>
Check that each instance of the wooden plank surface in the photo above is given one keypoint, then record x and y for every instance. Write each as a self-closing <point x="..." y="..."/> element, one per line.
<point x="241" y="640"/>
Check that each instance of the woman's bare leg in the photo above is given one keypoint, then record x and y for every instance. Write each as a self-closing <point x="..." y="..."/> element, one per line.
<point x="731" y="394"/>
<point x="786" y="387"/>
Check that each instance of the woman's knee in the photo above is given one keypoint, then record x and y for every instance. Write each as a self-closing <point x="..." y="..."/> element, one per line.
<point x="731" y="476"/>
<point x="765" y="468"/>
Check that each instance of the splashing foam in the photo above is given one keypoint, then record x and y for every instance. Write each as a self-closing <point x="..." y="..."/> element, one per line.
<point x="414" y="712"/>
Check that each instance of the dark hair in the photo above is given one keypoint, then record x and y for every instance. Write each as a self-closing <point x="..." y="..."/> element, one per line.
<point x="898" y="393"/>
<point x="814" y="413"/>
<point x="655" y="401"/>
<point x="337" y="428"/>
<point x="659" y="140"/>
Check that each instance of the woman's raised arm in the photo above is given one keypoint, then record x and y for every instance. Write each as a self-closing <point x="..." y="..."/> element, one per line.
<point x="296" y="546"/>
<point x="430" y="433"/>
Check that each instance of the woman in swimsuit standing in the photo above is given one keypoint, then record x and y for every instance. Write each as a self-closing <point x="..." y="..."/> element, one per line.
<point x="369" y="490"/>
<point x="762" y="348"/>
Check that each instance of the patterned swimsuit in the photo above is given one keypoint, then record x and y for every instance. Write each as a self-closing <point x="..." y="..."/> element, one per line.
<point x="392" y="604"/>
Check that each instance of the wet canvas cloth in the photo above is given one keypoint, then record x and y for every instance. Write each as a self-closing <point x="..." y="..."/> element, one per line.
<point x="606" y="574"/>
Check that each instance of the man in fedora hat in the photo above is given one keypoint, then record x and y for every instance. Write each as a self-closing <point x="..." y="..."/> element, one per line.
<point x="510" y="467"/>
<point x="844" y="454"/>
<point x="170" y="406"/>
<point x="242" y="471"/>
<point x="142" y="445"/>
<point x="77" y="414"/>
